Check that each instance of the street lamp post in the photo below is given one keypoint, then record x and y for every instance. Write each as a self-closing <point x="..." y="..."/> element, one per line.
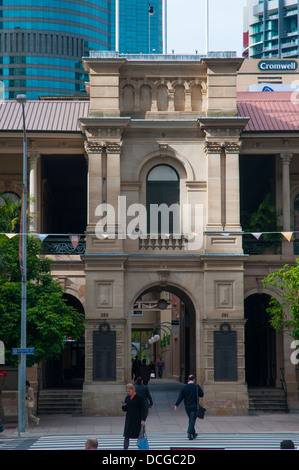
<point x="23" y="266"/>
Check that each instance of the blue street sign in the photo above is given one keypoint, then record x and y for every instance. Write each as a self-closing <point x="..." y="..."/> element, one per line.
<point x="22" y="350"/>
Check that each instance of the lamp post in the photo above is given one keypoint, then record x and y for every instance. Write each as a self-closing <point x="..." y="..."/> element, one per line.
<point x="21" y="99"/>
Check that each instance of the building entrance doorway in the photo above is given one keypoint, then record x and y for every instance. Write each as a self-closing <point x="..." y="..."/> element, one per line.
<point x="163" y="325"/>
<point x="67" y="371"/>
<point x="260" y="343"/>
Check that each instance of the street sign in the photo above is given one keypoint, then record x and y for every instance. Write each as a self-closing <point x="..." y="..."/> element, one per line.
<point x="22" y="350"/>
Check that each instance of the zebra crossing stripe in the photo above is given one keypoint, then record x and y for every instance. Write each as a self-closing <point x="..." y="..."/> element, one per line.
<point x="249" y="441"/>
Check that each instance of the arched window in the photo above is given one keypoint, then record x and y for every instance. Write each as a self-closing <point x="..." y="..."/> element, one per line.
<point x="162" y="200"/>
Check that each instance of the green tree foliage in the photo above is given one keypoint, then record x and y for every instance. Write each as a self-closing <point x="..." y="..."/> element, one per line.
<point x="9" y="214"/>
<point x="49" y="319"/>
<point x="286" y="313"/>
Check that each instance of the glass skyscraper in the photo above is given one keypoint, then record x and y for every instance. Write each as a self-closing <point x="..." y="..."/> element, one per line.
<point x="271" y="29"/>
<point x="42" y="42"/>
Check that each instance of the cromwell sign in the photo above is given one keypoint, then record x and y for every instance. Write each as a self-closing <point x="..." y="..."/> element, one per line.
<point x="278" y="65"/>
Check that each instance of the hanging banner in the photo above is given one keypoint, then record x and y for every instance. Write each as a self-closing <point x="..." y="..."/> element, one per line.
<point x="75" y="240"/>
<point x="11" y="235"/>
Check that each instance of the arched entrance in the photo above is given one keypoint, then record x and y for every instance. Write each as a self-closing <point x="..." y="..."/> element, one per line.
<point x="175" y="325"/>
<point x="260" y="343"/>
<point x="67" y="371"/>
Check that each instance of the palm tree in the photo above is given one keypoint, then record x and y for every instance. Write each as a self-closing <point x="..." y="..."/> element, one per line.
<point x="10" y="213"/>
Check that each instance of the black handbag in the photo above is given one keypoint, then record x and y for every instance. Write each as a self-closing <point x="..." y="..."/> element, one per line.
<point x="200" y="412"/>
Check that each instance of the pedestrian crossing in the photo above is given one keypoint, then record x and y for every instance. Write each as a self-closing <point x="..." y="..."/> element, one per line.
<point x="227" y="441"/>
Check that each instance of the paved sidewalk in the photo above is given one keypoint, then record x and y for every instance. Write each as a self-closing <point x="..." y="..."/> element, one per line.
<point x="162" y="419"/>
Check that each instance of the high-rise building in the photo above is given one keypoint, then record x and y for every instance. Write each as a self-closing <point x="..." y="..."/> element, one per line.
<point x="42" y="42"/>
<point x="271" y="29"/>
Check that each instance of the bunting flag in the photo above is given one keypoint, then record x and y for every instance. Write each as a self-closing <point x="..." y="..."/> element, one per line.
<point x="287" y="235"/>
<point x="256" y="234"/>
<point x="42" y="236"/>
<point x="75" y="240"/>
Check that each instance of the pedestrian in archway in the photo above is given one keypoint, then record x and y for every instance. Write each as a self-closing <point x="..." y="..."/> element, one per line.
<point x="160" y="366"/>
<point x="135" y="368"/>
<point x="144" y="372"/>
<point x="142" y="389"/>
<point x="190" y="393"/>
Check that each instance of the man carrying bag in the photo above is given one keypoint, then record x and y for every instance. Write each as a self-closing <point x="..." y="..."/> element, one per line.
<point x="190" y="393"/>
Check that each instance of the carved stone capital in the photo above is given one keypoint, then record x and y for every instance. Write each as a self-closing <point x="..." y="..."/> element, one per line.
<point x="113" y="147"/>
<point x="93" y="146"/>
<point x="33" y="157"/>
<point x="286" y="158"/>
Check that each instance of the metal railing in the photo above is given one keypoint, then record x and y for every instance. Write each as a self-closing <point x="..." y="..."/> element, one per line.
<point x="261" y="247"/>
<point x="62" y="245"/>
<point x="164" y="57"/>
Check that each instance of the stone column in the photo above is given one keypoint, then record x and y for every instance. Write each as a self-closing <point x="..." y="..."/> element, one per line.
<point x="113" y="150"/>
<point x="232" y="192"/>
<point x="94" y="151"/>
<point x="286" y="246"/>
<point x="214" y="212"/>
<point x="286" y="160"/>
<point x="34" y="222"/>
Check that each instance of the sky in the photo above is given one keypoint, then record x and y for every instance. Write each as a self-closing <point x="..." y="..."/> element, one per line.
<point x="186" y="26"/>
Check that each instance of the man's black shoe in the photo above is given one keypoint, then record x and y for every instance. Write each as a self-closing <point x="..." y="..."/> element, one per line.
<point x="195" y="435"/>
<point x="190" y="437"/>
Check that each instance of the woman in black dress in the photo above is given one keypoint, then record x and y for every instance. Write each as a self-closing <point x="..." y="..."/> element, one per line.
<point x="135" y="417"/>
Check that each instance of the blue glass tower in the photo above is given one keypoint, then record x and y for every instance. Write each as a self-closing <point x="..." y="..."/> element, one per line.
<point x="42" y="42"/>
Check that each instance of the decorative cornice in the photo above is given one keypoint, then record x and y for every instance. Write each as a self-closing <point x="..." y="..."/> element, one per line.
<point x="218" y="147"/>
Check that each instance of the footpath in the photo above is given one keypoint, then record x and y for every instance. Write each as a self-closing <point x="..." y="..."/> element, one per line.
<point x="162" y="419"/>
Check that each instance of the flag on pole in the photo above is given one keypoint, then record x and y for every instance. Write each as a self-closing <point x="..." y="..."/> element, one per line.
<point x="151" y="9"/>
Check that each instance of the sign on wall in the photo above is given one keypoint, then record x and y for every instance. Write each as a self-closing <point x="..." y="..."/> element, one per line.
<point x="225" y="354"/>
<point x="267" y="65"/>
<point x="104" y="353"/>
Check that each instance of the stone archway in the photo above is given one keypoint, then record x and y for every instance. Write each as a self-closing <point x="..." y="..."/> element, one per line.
<point x="180" y="318"/>
<point x="260" y="343"/>
<point x="67" y="371"/>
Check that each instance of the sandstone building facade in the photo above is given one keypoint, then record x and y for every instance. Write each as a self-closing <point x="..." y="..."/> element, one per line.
<point x="170" y="132"/>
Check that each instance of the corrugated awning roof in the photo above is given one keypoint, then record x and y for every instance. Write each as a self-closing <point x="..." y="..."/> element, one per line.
<point x="47" y="116"/>
<point x="269" y="111"/>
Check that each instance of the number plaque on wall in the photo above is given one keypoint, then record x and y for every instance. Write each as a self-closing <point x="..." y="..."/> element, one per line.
<point x="225" y="353"/>
<point x="104" y="353"/>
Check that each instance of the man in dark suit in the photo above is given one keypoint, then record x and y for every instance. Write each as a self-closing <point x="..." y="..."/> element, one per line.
<point x="190" y="393"/>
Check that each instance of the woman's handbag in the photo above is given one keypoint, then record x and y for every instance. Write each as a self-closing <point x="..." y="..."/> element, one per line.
<point x="200" y="412"/>
<point x="142" y="440"/>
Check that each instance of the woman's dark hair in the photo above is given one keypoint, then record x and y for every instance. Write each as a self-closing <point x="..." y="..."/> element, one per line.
<point x="139" y="380"/>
